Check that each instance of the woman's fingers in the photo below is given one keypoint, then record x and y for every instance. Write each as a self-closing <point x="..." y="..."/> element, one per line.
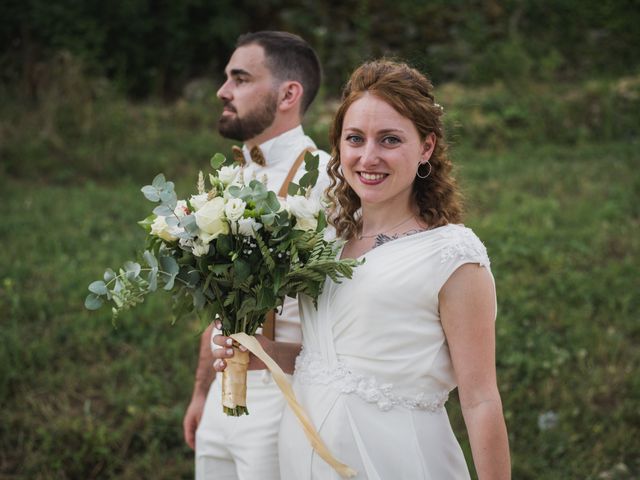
<point x="219" y="365"/>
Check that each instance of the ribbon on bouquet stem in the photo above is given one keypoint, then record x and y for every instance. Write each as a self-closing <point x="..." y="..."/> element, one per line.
<point x="281" y="380"/>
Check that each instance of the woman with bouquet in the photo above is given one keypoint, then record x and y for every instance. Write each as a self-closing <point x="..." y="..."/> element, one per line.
<point x="382" y="351"/>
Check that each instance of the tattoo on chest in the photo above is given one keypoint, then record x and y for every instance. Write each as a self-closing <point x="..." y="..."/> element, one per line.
<point x="382" y="238"/>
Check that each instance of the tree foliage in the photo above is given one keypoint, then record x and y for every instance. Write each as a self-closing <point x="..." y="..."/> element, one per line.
<point x="154" y="46"/>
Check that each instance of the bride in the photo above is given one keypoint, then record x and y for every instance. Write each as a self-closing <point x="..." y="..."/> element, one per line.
<point x="382" y="351"/>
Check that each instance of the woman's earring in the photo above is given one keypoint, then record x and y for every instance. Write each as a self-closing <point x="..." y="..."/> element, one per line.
<point x="418" y="171"/>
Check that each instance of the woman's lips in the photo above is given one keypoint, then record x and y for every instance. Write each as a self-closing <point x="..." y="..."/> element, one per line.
<point x="369" y="178"/>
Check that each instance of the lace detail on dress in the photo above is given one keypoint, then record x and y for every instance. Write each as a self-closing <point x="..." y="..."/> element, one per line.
<point x="462" y="243"/>
<point x="311" y="369"/>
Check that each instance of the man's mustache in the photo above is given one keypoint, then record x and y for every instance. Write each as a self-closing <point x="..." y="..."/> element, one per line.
<point x="229" y="106"/>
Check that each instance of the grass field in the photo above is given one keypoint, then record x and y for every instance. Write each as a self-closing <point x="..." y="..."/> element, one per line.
<point x="82" y="400"/>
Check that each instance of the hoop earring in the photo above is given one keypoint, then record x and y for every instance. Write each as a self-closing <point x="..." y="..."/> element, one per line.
<point x="418" y="171"/>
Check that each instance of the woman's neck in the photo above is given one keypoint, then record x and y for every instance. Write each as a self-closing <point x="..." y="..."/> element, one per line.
<point x="378" y="219"/>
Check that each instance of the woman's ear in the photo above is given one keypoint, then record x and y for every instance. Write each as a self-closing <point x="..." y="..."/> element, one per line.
<point x="290" y="95"/>
<point x="428" y="146"/>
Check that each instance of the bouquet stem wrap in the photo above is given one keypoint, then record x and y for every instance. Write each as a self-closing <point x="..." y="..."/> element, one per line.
<point x="281" y="380"/>
<point x="234" y="384"/>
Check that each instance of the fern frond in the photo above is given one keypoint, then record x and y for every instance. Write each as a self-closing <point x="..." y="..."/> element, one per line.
<point x="264" y="250"/>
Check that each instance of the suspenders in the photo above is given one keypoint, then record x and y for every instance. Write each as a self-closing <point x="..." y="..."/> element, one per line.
<point x="269" y="325"/>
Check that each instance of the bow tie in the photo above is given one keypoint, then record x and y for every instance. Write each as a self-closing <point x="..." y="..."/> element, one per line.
<point x="256" y="155"/>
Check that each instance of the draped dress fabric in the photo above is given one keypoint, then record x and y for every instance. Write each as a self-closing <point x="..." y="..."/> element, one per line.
<point x="375" y="370"/>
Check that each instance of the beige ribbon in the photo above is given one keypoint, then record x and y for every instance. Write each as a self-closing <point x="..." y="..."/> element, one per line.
<point x="281" y="380"/>
<point x="234" y="380"/>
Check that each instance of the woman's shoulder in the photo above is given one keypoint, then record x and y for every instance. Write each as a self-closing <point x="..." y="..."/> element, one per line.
<point x="456" y="242"/>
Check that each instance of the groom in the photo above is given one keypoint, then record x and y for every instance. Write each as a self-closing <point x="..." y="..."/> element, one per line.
<point x="271" y="79"/>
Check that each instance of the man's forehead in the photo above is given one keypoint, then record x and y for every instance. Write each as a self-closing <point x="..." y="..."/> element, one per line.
<point x="247" y="60"/>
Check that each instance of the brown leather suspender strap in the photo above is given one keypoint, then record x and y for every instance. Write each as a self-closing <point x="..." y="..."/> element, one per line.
<point x="269" y="325"/>
<point x="292" y="172"/>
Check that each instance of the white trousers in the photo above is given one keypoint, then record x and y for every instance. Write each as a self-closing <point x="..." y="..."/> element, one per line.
<point x="241" y="448"/>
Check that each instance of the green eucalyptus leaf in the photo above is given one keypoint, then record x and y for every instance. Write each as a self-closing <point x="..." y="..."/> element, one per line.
<point x="268" y="219"/>
<point x="152" y="279"/>
<point x="162" y="211"/>
<point x="170" y="267"/>
<point x="109" y="275"/>
<point x="234" y="191"/>
<point x="159" y="181"/>
<point x="132" y="270"/>
<point x="217" y="161"/>
<point x="93" y="302"/>
<point x="150" y="259"/>
<point x="151" y="193"/>
<point x="188" y="222"/>
<point x="169" y="198"/>
<point x="98" y="287"/>
<point x="272" y="202"/>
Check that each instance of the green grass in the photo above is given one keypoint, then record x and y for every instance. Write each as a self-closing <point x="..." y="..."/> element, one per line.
<point x="83" y="400"/>
<point x="553" y="189"/>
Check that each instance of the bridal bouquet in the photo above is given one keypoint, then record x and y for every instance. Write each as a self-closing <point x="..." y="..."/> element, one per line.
<point x="231" y="251"/>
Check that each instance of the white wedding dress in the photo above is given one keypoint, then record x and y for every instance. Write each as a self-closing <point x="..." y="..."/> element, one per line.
<point x="375" y="370"/>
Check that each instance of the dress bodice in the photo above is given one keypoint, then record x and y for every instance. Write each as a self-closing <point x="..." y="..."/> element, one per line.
<point x="379" y="334"/>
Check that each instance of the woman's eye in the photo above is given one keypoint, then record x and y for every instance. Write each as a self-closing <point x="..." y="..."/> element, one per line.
<point x="354" y="139"/>
<point x="391" y="140"/>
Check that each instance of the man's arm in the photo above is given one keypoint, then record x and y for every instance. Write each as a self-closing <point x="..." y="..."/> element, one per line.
<point x="205" y="375"/>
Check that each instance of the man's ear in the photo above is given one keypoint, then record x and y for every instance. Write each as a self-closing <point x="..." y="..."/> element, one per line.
<point x="428" y="146"/>
<point x="290" y="95"/>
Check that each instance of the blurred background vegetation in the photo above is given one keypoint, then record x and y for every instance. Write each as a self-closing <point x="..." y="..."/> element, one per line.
<point x="542" y="104"/>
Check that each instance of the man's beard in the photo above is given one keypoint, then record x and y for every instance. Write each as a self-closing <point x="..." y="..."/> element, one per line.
<point x="253" y="123"/>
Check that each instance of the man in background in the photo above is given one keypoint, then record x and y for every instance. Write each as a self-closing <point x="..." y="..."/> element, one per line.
<point x="271" y="79"/>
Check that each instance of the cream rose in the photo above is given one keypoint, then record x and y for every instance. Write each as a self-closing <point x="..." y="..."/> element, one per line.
<point x="161" y="229"/>
<point x="197" y="201"/>
<point x="234" y="209"/>
<point x="211" y="220"/>
<point x="227" y="174"/>
<point x="305" y="210"/>
<point x="248" y="227"/>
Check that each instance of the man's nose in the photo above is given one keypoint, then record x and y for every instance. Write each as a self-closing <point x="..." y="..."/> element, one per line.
<point x="224" y="92"/>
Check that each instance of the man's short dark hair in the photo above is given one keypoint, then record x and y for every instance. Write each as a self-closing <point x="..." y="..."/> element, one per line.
<point x="288" y="57"/>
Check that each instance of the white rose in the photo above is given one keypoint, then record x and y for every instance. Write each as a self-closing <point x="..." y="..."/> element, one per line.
<point x="200" y="248"/>
<point x="234" y="209"/>
<point x="211" y="220"/>
<point x="305" y="210"/>
<point x="248" y="227"/>
<point x="197" y="201"/>
<point x="161" y="229"/>
<point x="228" y="174"/>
